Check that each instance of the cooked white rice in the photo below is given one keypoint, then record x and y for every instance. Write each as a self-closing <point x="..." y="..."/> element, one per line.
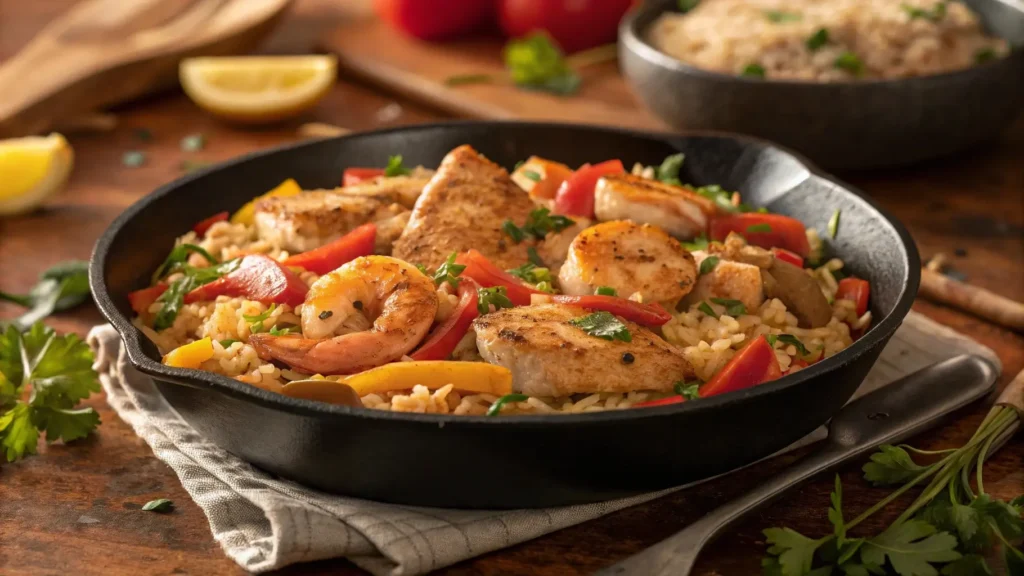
<point x="891" y="38"/>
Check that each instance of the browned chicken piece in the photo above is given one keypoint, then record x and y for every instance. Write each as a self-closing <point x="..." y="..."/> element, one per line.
<point x="548" y="356"/>
<point x="404" y="190"/>
<point x="729" y="280"/>
<point x="312" y="219"/>
<point x="463" y="207"/>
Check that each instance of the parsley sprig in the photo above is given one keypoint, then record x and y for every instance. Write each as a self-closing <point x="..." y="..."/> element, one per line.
<point x="538" y="224"/>
<point x="536" y="62"/>
<point x="537" y="276"/>
<point x="496" y="296"/>
<point x="603" y="325"/>
<point x="449" y="272"/>
<point x="60" y="288"/>
<point x="395" y="167"/>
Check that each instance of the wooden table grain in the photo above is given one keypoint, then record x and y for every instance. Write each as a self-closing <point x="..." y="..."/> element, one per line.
<point x="75" y="509"/>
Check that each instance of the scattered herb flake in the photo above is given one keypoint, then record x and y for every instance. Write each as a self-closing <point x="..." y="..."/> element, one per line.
<point x="532" y="175"/>
<point x="779" y="16"/>
<point x="227" y="343"/>
<point x="753" y="71"/>
<point x="833" y="224"/>
<point x="507" y="398"/>
<point x="193" y="143"/>
<point x="935" y="14"/>
<point x="850" y="62"/>
<point x="733" y="308"/>
<point x="763" y="227"/>
<point x="772" y="339"/>
<point x="708" y="264"/>
<point x="688" y="390"/>
<point x="395" y="167"/>
<point x="513" y="231"/>
<point x="518" y="164"/>
<point x="275" y="331"/>
<point x="790" y="339"/>
<point x="818" y="40"/>
<point x="533" y="257"/>
<point x="985" y="55"/>
<point x="133" y="158"/>
<point x="159" y="505"/>
<point x="60" y="287"/>
<point x="497" y="295"/>
<point x="603" y="325"/>
<point x="698" y="243"/>
<point x="449" y="272"/>
<point x="464" y="79"/>
<point x="707" y="310"/>
<point x="606" y="291"/>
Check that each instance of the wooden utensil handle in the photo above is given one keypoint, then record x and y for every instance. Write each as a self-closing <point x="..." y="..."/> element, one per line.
<point x="978" y="301"/>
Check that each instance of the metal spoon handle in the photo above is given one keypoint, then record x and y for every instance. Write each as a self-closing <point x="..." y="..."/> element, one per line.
<point x="893" y="413"/>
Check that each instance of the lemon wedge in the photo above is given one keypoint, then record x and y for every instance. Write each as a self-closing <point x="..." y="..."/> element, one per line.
<point x="31" y="170"/>
<point x="255" y="89"/>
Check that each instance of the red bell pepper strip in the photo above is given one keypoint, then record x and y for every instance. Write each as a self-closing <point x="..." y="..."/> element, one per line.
<point x="443" y="339"/>
<point x="353" y="176"/>
<point x="764" y="230"/>
<point x="486" y="274"/>
<point x="204" y="225"/>
<point x="575" y="197"/>
<point x="855" y="289"/>
<point x="662" y="402"/>
<point x="141" y="300"/>
<point x="787" y="256"/>
<point x="643" y="314"/>
<point x="257" y="277"/>
<point x="754" y="364"/>
<point x="329" y="257"/>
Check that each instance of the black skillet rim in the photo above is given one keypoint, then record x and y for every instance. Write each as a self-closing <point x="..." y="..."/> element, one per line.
<point x="131" y="336"/>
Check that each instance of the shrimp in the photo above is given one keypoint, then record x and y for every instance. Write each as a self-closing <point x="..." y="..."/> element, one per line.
<point x="379" y="307"/>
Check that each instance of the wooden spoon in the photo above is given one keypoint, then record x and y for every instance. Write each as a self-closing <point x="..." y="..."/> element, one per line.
<point x="328" y="391"/>
<point x="101" y="52"/>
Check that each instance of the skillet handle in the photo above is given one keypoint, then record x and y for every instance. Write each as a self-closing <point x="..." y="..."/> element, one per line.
<point x="890" y="414"/>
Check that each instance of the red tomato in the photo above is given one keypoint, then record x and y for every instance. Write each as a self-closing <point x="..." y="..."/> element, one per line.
<point x="140" y="300"/>
<point x="778" y="231"/>
<point x="787" y="256"/>
<point x="486" y="274"/>
<point x="753" y="365"/>
<point x="575" y="197"/>
<point x="353" y="176"/>
<point x="643" y="314"/>
<point x="204" y="225"/>
<point x="436" y="19"/>
<point x="855" y="289"/>
<point x="329" y="257"/>
<point x="574" y="24"/>
<point x="257" y="277"/>
<point x="443" y="339"/>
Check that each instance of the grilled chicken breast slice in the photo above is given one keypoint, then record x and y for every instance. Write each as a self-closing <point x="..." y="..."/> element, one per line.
<point x="730" y="280"/>
<point x="312" y="219"/>
<point x="404" y="190"/>
<point x="679" y="211"/>
<point x="548" y="356"/>
<point x="631" y="258"/>
<point x="464" y="206"/>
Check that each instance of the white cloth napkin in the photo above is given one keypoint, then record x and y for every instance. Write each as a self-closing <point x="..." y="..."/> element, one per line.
<point x="264" y="523"/>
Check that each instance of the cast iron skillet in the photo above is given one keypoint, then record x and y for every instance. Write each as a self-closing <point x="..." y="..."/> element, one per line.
<point x="524" y="461"/>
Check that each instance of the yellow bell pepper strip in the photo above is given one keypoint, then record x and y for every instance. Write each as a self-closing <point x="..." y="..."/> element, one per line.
<point x="246" y="213"/>
<point x="477" y="377"/>
<point x="190" y="355"/>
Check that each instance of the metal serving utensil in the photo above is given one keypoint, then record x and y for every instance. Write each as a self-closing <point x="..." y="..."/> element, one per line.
<point x="890" y="414"/>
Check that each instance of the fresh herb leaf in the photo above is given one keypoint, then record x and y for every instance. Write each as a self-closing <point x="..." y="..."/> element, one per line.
<point x="790" y="339"/>
<point x="17" y="434"/>
<point x="518" y="164"/>
<point x="178" y="257"/>
<point x="532" y="175"/>
<point x="850" y="62"/>
<point x="733" y="308"/>
<point x="794" y="551"/>
<point x="449" y="272"/>
<point x="723" y="199"/>
<point x="159" y="505"/>
<point x="535" y="62"/>
<point x="500" y="402"/>
<point x="818" y="40"/>
<point x="985" y="55"/>
<point x="513" y="231"/>
<point x="835" y="513"/>
<point x="1014" y="560"/>
<point x="911" y="548"/>
<point x="464" y="79"/>
<point x="668" y="171"/>
<point x="193" y="143"/>
<point x="395" y="167"/>
<point x="891" y="465"/>
<point x="533" y="257"/>
<point x="698" y="243"/>
<point x="753" y="70"/>
<point x="935" y="14"/>
<point x="133" y="158"/>
<point x="532" y="274"/>
<point x="422" y="269"/>
<point x="227" y="343"/>
<point x="969" y="565"/>
<point x="687" y="5"/>
<point x="603" y="325"/>
<point x="690" y="391"/>
<point x="779" y="16"/>
<point x="707" y="310"/>
<point x="275" y="331"/>
<point x="708" y="264"/>
<point x="763" y="227"/>
<point x="833" y="224"/>
<point x="60" y="287"/>
<point x="541" y="221"/>
<point x="256" y="320"/>
<point x="496" y="295"/>
<point x="606" y="291"/>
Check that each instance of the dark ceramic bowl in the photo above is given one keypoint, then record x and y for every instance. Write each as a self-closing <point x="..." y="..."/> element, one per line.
<point x="514" y="461"/>
<point x="845" y="125"/>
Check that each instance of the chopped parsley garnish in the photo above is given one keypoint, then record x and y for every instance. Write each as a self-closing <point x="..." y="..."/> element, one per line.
<point x="779" y="16"/>
<point x="818" y="40"/>
<point x="178" y="257"/>
<point x="422" y="269"/>
<point x="850" y="62"/>
<point x="537" y="63"/>
<point x="708" y="264"/>
<point x="753" y="70"/>
<point x="723" y="199"/>
<point x="133" y="158"/>
<point x="227" y="343"/>
<point x="762" y="227"/>
<point x="61" y="287"/>
<point x="193" y="143"/>
<point x="539" y="277"/>
<point x="707" y="310"/>
<point x="668" y="171"/>
<point x="935" y="14"/>
<point x="256" y="320"/>
<point x="606" y="291"/>
<point x="772" y="339"/>
<point x="687" y="5"/>
<point x="698" y="243"/>
<point x="533" y="257"/>
<point x="174" y="298"/>
<point x="496" y="407"/>
<point x="985" y="55"/>
<point x="688" y="390"/>
<point x="463" y="79"/>
<point x="518" y="164"/>
<point x="538" y="224"/>
<point x="496" y="295"/>
<point x="603" y="325"/>
<point x="395" y="167"/>
<point x="833" y="224"/>
<point x="790" y="339"/>
<point x="733" y="308"/>
<point x="275" y="331"/>
<point x="532" y="175"/>
<point x="449" y="272"/>
<point x="513" y="231"/>
<point x="159" y="505"/>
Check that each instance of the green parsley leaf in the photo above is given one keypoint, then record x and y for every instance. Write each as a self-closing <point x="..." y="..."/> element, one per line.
<point x="496" y="407"/>
<point x="795" y="552"/>
<point x="449" y="272"/>
<point x="790" y="339"/>
<point x="227" y="343"/>
<point x="19" y="436"/>
<point x="1004" y="516"/>
<point x="60" y="287"/>
<point x="173" y="299"/>
<point x="732" y="307"/>
<point x="850" y="62"/>
<point x="690" y="391"/>
<point x="835" y="513"/>
<point x="533" y="257"/>
<point x="698" y="243"/>
<point x="422" y="269"/>
<point x="763" y="227"/>
<point x="464" y="79"/>
<point x="753" y="70"/>
<point x="985" y="55"/>
<point x="395" y="167"/>
<point x="969" y="565"/>
<point x="1014" y="560"/>
<point x="833" y="224"/>
<point x="178" y="257"/>
<point x="603" y="325"/>
<point x="606" y="291"/>
<point x="708" y="264"/>
<point x="256" y="320"/>
<point x="910" y="547"/>
<point x="541" y="221"/>
<point x="891" y="465"/>
<point x="518" y="164"/>
<point x="535" y="62"/>
<point x="193" y="143"/>
<point x="58" y="367"/>
<point x="668" y="171"/>
<point x="772" y="339"/>
<point x="707" y="310"/>
<point x="133" y="158"/>
<point x="275" y="331"/>
<point x="66" y="424"/>
<point x="687" y="5"/>
<point x="935" y="14"/>
<point x="513" y="231"/>
<point x="723" y="199"/>
<point x="159" y="505"/>
<point x="779" y="16"/>
<point x="532" y="175"/>
<point x="532" y="274"/>
<point x="496" y="295"/>
<point x="818" y="40"/>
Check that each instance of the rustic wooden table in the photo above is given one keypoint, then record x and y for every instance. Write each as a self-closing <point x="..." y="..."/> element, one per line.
<point x="75" y="509"/>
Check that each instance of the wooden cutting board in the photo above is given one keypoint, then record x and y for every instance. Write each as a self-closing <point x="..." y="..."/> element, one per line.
<point x="368" y="48"/>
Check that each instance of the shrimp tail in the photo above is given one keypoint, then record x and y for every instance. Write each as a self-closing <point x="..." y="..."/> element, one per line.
<point x="346" y="354"/>
<point x="291" y="350"/>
